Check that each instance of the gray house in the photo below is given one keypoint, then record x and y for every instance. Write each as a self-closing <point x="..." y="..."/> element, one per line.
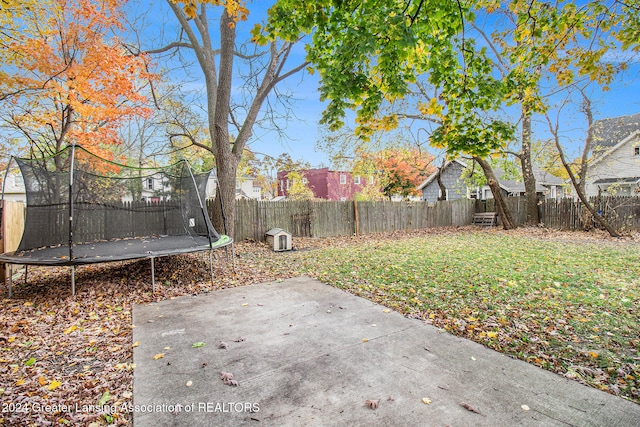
<point x="547" y="185"/>
<point x="614" y="166"/>
<point x="451" y="178"/>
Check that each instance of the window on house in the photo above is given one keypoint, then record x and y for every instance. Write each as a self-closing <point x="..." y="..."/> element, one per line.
<point x="356" y="180"/>
<point x="343" y="179"/>
<point x="305" y="180"/>
<point x="636" y="151"/>
<point x="371" y="180"/>
<point x="148" y="184"/>
<point x="288" y="184"/>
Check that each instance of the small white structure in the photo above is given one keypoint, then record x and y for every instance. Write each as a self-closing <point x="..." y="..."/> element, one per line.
<point x="279" y="239"/>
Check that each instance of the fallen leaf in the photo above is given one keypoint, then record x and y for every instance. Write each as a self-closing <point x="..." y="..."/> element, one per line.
<point x="189" y="383"/>
<point x="364" y="340"/>
<point x="373" y="404"/>
<point x="30" y="362"/>
<point x="198" y="344"/>
<point x="386" y="310"/>
<point x="158" y="356"/>
<point x="470" y="408"/>
<point x="222" y="345"/>
<point x="106" y="396"/>
<point x="54" y="385"/>
<point x="426" y="400"/>
<point x="525" y="407"/>
<point x="70" y="329"/>
<point x="20" y="381"/>
<point x="135" y="344"/>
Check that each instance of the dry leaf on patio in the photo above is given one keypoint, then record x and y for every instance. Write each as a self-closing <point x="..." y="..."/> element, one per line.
<point x="226" y="376"/>
<point x="158" y="356"/>
<point x="470" y="408"/>
<point x="373" y="404"/>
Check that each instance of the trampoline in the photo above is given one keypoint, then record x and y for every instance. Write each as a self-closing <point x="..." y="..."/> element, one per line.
<point x="84" y="209"/>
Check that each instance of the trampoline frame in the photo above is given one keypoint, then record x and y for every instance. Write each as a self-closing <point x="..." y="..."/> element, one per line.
<point x="118" y="249"/>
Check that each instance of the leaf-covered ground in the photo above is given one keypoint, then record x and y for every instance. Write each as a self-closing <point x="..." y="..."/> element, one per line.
<point x="567" y="302"/>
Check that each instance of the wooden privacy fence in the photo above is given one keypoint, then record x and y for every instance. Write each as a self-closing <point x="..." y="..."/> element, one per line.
<point x="623" y="212"/>
<point x="326" y="218"/>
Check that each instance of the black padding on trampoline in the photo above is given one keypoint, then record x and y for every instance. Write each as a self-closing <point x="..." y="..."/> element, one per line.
<point x="117" y="250"/>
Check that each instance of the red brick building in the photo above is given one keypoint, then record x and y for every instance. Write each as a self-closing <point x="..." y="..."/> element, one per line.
<point x="326" y="184"/>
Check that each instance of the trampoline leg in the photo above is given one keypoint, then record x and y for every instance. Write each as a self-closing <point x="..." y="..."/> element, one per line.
<point x="233" y="257"/>
<point x="10" y="280"/>
<point x="211" y="265"/>
<point x="73" y="280"/>
<point x="153" y="276"/>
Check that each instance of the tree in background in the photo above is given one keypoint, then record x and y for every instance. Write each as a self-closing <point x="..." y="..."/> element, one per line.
<point x="370" y="53"/>
<point x="396" y="170"/>
<point x="542" y="49"/>
<point x="70" y="79"/>
<point x="298" y="190"/>
<point x="215" y="52"/>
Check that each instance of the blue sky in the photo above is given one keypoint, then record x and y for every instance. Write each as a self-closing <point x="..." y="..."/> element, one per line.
<point x="302" y="130"/>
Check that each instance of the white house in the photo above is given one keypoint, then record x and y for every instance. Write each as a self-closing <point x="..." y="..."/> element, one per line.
<point x="154" y="188"/>
<point x="13" y="187"/>
<point x="246" y="188"/>
<point x="614" y="164"/>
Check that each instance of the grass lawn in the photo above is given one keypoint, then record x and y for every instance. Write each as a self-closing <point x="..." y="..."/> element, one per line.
<point x="569" y="307"/>
<point x="567" y="302"/>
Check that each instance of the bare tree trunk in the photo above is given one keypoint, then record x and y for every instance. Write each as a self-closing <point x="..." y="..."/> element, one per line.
<point x="533" y="216"/>
<point x="576" y="185"/>
<point x="218" y="85"/>
<point x="501" y="207"/>
<point x="226" y="161"/>
<point x="582" y="172"/>
<point x="443" y="189"/>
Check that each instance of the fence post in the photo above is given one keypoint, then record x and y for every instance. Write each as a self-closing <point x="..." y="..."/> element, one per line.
<point x="11" y="229"/>
<point x="355" y="217"/>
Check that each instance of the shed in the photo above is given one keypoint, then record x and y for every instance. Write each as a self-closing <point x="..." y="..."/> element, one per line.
<point x="279" y="239"/>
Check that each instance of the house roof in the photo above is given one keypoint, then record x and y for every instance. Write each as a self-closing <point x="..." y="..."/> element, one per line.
<point x="543" y="178"/>
<point x="607" y="133"/>
<point x="433" y="175"/>
<point x="629" y="180"/>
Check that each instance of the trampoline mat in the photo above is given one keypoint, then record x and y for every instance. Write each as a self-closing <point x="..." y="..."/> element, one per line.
<point x="115" y="250"/>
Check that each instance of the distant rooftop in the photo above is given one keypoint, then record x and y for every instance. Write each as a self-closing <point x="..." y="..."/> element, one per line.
<point x="609" y="132"/>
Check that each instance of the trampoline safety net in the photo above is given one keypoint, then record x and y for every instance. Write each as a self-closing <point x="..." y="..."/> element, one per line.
<point x="84" y="209"/>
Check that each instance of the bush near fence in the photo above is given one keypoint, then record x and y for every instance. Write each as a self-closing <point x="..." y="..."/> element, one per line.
<point x="328" y="218"/>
